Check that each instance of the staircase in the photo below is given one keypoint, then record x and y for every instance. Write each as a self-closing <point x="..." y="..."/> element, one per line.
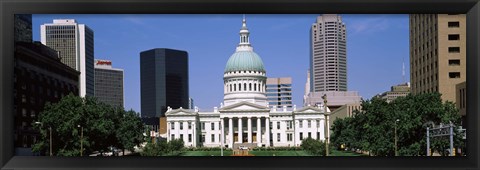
<point x="249" y="145"/>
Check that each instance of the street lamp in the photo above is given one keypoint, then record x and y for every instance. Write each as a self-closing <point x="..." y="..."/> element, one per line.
<point x="81" y="140"/>
<point x="324" y="97"/>
<point x="50" y="129"/>
<point x="396" y="151"/>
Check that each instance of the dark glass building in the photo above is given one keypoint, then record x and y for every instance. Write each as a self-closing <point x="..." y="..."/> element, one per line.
<point x="39" y="77"/>
<point x="163" y="80"/>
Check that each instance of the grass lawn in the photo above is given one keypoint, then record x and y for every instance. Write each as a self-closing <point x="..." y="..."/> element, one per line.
<point x="345" y="153"/>
<point x="256" y="153"/>
<point x="279" y="153"/>
<point x="267" y="153"/>
<point x="206" y="153"/>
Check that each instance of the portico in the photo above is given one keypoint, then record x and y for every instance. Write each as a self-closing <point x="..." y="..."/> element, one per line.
<point x="247" y="124"/>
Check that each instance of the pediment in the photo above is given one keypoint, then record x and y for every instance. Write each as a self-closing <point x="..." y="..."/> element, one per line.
<point x="180" y="112"/>
<point x="244" y="106"/>
<point x="311" y="109"/>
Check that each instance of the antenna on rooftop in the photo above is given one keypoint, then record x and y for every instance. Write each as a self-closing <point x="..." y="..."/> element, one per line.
<point x="403" y="70"/>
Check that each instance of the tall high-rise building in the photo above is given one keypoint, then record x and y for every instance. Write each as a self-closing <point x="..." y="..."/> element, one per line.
<point x="328" y="54"/>
<point x="437" y="53"/>
<point x="163" y="81"/>
<point x="74" y="43"/>
<point x="108" y="83"/>
<point x="279" y="92"/>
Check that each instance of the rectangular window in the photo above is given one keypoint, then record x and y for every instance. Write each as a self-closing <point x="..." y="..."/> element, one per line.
<point x="301" y="136"/>
<point x="455" y="24"/>
<point x="318" y="135"/>
<point x="213" y="126"/>
<point x="189" y="137"/>
<point x="301" y="124"/>
<point x="203" y="138"/>
<point x="309" y="123"/>
<point x="278" y="137"/>
<point x="213" y="138"/>
<point x="173" y="125"/>
<point x="318" y="123"/>
<point x="172" y="136"/>
<point x="278" y="125"/>
<point x="181" y="136"/>
<point x="189" y="125"/>
<point x="203" y="125"/>
<point x="453" y="36"/>
<point x="289" y="137"/>
<point x="453" y="62"/>
<point x="309" y="134"/>
<point x="454" y="49"/>
<point x="181" y="125"/>
<point x="454" y="74"/>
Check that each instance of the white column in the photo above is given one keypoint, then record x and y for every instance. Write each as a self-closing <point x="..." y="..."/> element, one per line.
<point x="194" y="137"/>
<point x="240" y="137"/>
<point x="259" y="132"/>
<point x="267" y="131"/>
<point x="249" y="124"/>
<point x="230" y="132"/>
<point x="168" y="131"/>
<point x="222" y="133"/>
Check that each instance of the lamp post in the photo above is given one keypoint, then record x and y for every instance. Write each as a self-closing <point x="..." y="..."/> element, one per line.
<point x="396" y="151"/>
<point x="50" y="130"/>
<point x="81" y="140"/>
<point x="324" y="97"/>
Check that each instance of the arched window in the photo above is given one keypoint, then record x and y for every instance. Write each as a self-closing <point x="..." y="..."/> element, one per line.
<point x="255" y="87"/>
<point x="259" y="87"/>
<point x="239" y="86"/>
<point x="230" y="87"/>
<point x="250" y="87"/>
<point x="235" y="87"/>
<point x="244" y="86"/>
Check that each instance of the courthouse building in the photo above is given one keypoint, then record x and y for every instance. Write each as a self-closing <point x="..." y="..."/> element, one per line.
<point x="244" y="117"/>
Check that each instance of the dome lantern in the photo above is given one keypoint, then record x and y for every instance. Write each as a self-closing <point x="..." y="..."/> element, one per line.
<point x="244" y="58"/>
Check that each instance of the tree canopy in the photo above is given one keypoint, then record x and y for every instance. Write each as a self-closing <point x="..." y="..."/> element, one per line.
<point x="104" y="126"/>
<point x="373" y="127"/>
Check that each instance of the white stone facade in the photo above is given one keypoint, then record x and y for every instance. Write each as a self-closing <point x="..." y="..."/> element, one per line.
<point x="244" y="118"/>
<point x="286" y="128"/>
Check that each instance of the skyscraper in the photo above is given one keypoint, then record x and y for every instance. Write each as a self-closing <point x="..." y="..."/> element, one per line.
<point x="74" y="43"/>
<point x="108" y="83"/>
<point x="279" y="92"/>
<point x="328" y="64"/>
<point x="328" y="54"/>
<point x="437" y="53"/>
<point x="163" y="80"/>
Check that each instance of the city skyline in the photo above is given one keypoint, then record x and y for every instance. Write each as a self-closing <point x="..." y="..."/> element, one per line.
<point x="281" y="40"/>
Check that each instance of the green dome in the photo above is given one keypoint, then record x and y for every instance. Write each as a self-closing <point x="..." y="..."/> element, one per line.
<point x="244" y="61"/>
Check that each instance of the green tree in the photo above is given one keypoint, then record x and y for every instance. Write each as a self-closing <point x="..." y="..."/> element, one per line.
<point x="373" y="128"/>
<point x="129" y="130"/>
<point x="163" y="148"/>
<point x="102" y="127"/>
<point x="314" y="147"/>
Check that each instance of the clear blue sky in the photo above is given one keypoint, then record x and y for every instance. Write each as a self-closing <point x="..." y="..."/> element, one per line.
<point x="376" y="47"/>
